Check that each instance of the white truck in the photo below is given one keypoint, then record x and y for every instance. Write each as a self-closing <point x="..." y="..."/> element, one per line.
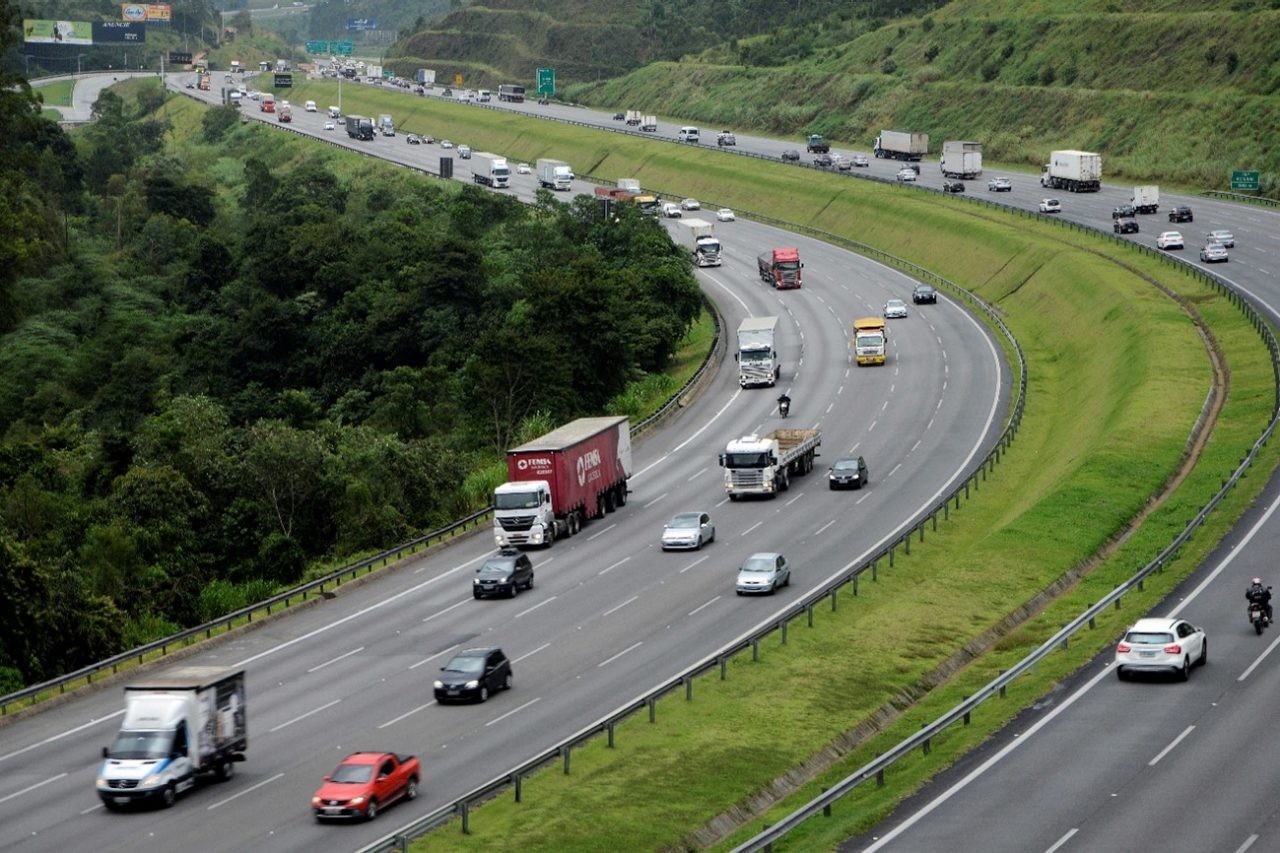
<point x="765" y="464"/>
<point x="554" y="174"/>
<point x="633" y="118"/>
<point x="756" y="357"/>
<point x="188" y="721"/>
<point x="373" y="72"/>
<point x="901" y="145"/>
<point x="705" y="244"/>
<point x="631" y="185"/>
<point x="649" y="124"/>
<point x="1074" y="171"/>
<point x="961" y="159"/>
<point x="386" y="126"/>
<point x="1146" y="199"/>
<point x="490" y="170"/>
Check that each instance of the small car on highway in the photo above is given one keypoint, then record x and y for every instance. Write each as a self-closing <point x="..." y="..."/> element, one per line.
<point x="842" y="162"/>
<point x="725" y="214"/>
<point x="413" y="139"/>
<point x="1169" y="240"/>
<point x="895" y="309"/>
<point x="791" y="155"/>
<point x="953" y="186"/>
<point x="329" y="125"/>
<point x="1123" y="211"/>
<point x="523" y="169"/>
<point x="924" y="293"/>
<point x="763" y="572"/>
<point x="688" y="530"/>
<point x="999" y="185"/>
<point x="726" y="137"/>
<point x="848" y="473"/>
<point x="1181" y="213"/>
<point x="906" y="175"/>
<point x="464" y="151"/>
<point x="506" y="574"/>
<point x="619" y="116"/>
<point x="1225" y="238"/>
<point x="1161" y="645"/>
<point x="690" y="204"/>
<point x="824" y="161"/>
<point x="1050" y="205"/>
<point x="671" y="210"/>
<point x="861" y="161"/>
<point x="1214" y="253"/>
<point x="473" y="674"/>
<point x="1125" y="225"/>
<point x="365" y="783"/>
<point x="444" y="143"/>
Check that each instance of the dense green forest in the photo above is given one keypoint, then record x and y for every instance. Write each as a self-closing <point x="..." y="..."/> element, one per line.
<point x="226" y="357"/>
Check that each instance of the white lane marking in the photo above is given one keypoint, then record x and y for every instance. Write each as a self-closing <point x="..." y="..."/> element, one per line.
<point x="513" y="711"/>
<point x="620" y="654"/>
<point x="695" y="476"/>
<point x="893" y="471"/>
<point x="824" y="527"/>
<point x="732" y="397"/>
<point x="752" y="527"/>
<point x="611" y="568"/>
<point x="884" y="405"/>
<point x="248" y="790"/>
<point x="793" y="500"/>
<point x="1248" y="842"/>
<point x="1063" y="840"/>
<point x="913" y="447"/>
<point x="446" y="610"/>
<point x="530" y="654"/>
<point x="655" y="500"/>
<point x="722" y="503"/>
<point x="729" y="291"/>
<point x="30" y="788"/>
<point x="61" y="735"/>
<point x="892" y="387"/>
<point x="602" y="532"/>
<point x="91" y="809"/>
<point x="700" y="606"/>
<point x="1188" y="730"/>
<point x="535" y="607"/>
<point x="839" y="390"/>
<point x="691" y="565"/>
<point x="1259" y="659"/>
<point x="335" y="660"/>
<point x="433" y="657"/>
<point x="830" y="406"/>
<point x="872" y="426"/>
<point x="620" y="606"/>
<point x="407" y="714"/>
<point x="301" y="717"/>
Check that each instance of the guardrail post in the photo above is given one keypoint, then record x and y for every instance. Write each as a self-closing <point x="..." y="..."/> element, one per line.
<point x="784" y="632"/>
<point x="826" y="810"/>
<point x="933" y="516"/>
<point x="891" y="556"/>
<point x="922" y="531"/>
<point x="835" y="599"/>
<point x="966" y="713"/>
<point x="755" y="650"/>
<point x="1091" y="623"/>
<point x="723" y="668"/>
<point x="1065" y="640"/>
<point x="906" y="543"/>
<point x="519" y="780"/>
<point x="810" y="612"/>
<point x="568" y="750"/>
<point x="653" y="710"/>
<point x="688" y="688"/>
<point x="880" y="778"/>
<point x="946" y="511"/>
<point x="609" y="729"/>
<point x="1140" y="581"/>
<point x="854" y="585"/>
<point x="1117" y="604"/>
<point x="465" y="812"/>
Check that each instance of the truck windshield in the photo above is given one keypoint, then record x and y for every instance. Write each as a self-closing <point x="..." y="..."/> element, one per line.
<point x="748" y="460"/>
<point x="516" y="500"/>
<point x="870" y="340"/>
<point x="142" y="745"/>
<point x="749" y="357"/>
<point x="788" y="266"/>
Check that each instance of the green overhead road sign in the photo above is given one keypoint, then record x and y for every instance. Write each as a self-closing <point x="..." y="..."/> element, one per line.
<point x="546" y="82"/>
<point x="1246" y="180"/>
<point x="317" y="47"/>
<point x="332" y="48"/>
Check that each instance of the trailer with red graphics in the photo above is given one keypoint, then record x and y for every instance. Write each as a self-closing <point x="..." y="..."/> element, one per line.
<point x="558" y="482"/>
<point x="781" y="268"/>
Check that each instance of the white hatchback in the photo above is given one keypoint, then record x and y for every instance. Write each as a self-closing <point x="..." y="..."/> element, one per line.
<point x="1050" y="205"/>
<point x="1161" y="645"/>
<point x="1169" y="240"/>
<point x="907" y="175"/>
<point x="724" y="214"/>
<point x="895" y="309"/>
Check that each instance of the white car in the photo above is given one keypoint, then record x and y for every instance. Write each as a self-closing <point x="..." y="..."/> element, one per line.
<point x="688" y="530"/>
<point x="1214" y="253"/>
<point x="671" y="210"/>
<point x="895" y="309"/>
<point x="464" y="151"/>
<point x="329" y="125"/>
<point x="906" y="175"/>
<point x="765" y="572"/>
<point x="690" y="204"/>
<point x="999" y="185"/>
<point x="861" y="161"/>
<point x="523" y="169"/>
<point x="1225" y="238"/>
<point x="1169" y="240"/>
<point x="444" y="143"/>
<point x="1161" y="645"/>
<point x="1050" y="205"/>
<point x="724" y="214"/>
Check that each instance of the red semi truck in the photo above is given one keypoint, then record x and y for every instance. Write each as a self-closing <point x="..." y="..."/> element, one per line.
<point x="557" y="482"/>
<point x="781" y="268"/>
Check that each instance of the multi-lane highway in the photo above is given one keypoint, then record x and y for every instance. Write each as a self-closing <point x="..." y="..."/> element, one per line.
<point x="610" y="614"/>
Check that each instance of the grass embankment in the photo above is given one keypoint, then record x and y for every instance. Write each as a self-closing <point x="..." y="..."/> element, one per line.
<point x="56" y="93"/>
<point x="1118" y="377"/>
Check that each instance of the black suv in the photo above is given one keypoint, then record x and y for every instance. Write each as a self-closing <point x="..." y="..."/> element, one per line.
<point x="1181" y="213"/>
<point x="1125" y="225"/>
<point x="953" y="186"/>
<point x="504" y="574"/>
<point x="848" y="473"/>
<point x="823" y="161"/>
<point x="473" y="674"/>
<point x="924" y="293"/>
<point x="1124" y="211"/>
<point x="792" y="155"/>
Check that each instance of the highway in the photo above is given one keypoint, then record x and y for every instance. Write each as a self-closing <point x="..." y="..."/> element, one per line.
<point x="610" y="614"/>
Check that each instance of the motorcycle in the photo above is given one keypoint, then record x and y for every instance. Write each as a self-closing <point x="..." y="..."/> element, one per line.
<point x="784" y="406"/>
<point x="1258" y="616"/>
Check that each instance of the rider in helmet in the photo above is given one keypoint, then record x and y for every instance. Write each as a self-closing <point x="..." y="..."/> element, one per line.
<point x="1261" y="594"/>
<point x="784" y="403"/>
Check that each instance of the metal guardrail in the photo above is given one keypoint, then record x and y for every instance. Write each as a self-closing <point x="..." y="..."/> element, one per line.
<point x="1241" y="197"/>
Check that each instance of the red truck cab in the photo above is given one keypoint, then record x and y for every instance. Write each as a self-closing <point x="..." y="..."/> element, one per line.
<point x="365" y="783"/>
<point x="781" y="268"/>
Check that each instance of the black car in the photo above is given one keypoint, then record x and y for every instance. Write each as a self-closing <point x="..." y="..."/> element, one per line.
<point x="447" y="93"/>
<point x="413" y="139"/>
<point x="619" y="116"/>
<point x="473" y="674"/>
<point x="1124" y="211"/>
<point x="791" y="155"/>
<point x="505" y="574"/>
<point x="848" y="473"/>
<point x="1181" y="213"/>
<point x="953" y="186"/>
<point x="924" y="293"/>
<point x="1125" y="225"/>
<point x="824" y="161"/>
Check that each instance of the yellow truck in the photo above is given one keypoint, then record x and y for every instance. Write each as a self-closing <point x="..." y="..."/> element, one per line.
<point x="870" y="340"/>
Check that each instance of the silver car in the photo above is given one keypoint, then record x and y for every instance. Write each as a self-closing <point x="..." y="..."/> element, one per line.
<point x="895" y="309"/>
<point x="689" y="530"/>
<point x="764" y="572"/>
<point x="1223" y="238"/>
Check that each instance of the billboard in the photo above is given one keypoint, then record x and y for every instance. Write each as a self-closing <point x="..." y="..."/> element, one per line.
<point x="143" y="12"/>
<point x="119" y="32"/>
<point x="57" y="32"/>
<point x="362" y="24"/>
<point x="179" y="58"/>
<point x="284" y="81"/>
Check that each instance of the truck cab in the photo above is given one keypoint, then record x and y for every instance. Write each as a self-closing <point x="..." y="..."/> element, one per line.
<point x="688" y="134"/>
<point x="870" y="340"/>
<point x="523" y="514"/>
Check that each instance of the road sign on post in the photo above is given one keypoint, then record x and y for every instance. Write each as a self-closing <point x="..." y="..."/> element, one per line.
<point x="546" y="82"/>
<point x="317" y="47"/>
<point x="1246" y="180"/>
<point x="457" y="79"/>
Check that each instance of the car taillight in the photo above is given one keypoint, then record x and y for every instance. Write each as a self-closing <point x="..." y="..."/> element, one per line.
<point x="1173" y="649"/>
<point x="1124" y="648"/>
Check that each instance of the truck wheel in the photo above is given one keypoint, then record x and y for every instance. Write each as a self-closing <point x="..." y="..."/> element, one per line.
<point x="573" y="523"/>
<point x="622" y="495"/>
<point x="610" y="503"/>
<point x="169" y="797"/>
<point x="226" y="769"/>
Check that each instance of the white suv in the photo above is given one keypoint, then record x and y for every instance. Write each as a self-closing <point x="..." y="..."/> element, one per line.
<point x="1161" y="645"/>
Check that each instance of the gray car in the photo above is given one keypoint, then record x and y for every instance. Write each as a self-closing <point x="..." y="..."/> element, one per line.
<point x="764" y="572"/>
<point x="689" y="530"/>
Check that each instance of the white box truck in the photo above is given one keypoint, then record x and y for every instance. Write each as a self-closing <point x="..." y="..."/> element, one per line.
<point x="700" y="236"/>
<point x="631" y="185"/>
<point x="1074" y="171"/>
<point x="757" y="359"/>
<point x="1146" y="199"/>
<point x="490" y="170"/>
<point x="961" y="159"/>
<point x="649" y="124"/>
<point x="633" y="118"/>
<point x="901" y="145"/>
<point x="554" y="174"/>
<point x="188" y="721"/>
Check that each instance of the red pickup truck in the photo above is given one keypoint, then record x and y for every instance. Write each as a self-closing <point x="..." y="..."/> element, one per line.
<point x="365" y="783"/>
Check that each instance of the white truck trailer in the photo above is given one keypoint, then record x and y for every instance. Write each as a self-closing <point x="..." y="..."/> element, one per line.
<point x="554" y="174"/>
<point x="649" y="124"/>
<point x="177" y="725"/>
<point x="701" y="238"/>
<point x="961" y="159"/>
<point x="633" y="118"/>
<point x="1074" y="171"/>
<point x="757" y="359"/>
<point x="1146" y="199"/>
<point x="901" y="145"/>
<point x="490" y="170"/>
<point x="765" y="464"/>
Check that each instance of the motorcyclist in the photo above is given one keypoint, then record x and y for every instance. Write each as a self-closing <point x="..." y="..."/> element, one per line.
<point x="1262" y="595"/>
<point x="784" y="404"/>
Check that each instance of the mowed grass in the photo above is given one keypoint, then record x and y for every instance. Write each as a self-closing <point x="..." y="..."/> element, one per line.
<point x="56" y="93"/>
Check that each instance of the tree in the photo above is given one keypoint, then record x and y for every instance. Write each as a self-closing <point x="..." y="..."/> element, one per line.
<point x="287" y="467"/>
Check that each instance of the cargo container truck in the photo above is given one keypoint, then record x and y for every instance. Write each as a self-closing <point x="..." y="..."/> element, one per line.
<point x="559" y="481"/>
<point x="511" y="92"/>
<point x="490" y="170"/>
<point x="1074" y="171"/>
<point x="1146" y="199"/>
<point x="649" y="124"/>
<point x="757" y="359"/>
<point x="765" y="464"/>
<point x="961" y="160"/>
<point x="554" y="174"/>
<point x="634" y="118"/>
<point x="702" y="240"/>
<point x="901" y="145"/>
<point x="359" y="127"/>
<point x="815" y="144"/>
<point x="781" y="268"/>
<point x="285" y="113"/>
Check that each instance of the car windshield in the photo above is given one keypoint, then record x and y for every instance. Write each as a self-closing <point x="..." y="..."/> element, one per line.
<point x="353" y="773"/>
<point x="141" y="745"/>
<point x="468" y="665"/>
<point x="759" y="564"/>
<point x="847" y="465"/>
<point x="685" y="521"/>
<point x="516" y="500"/>
<point x="1148" y="638"/>
<point x="896" y="303"/>
<point x="494" y="568"/>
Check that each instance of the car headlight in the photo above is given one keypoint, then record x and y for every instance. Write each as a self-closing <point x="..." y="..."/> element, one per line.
<point x="102" y="783"/>
<point x="150" y="781"/>
<point x="472" y="685"/>
<point x="315" y="802"/>
<point x="536" y="538"/>
<point x="438" y="685"/>
<point x="356" y="801"/>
